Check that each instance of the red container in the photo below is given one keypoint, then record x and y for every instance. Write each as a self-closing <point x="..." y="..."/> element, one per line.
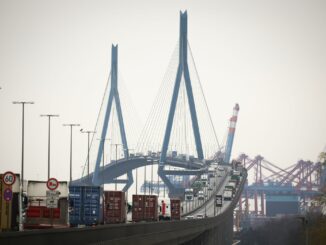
<point x="115" y="207"/>
<point x="175" y="209"/>
<point x="137" y="208"/>
<point x="144" y="208"/>
<point x="150" y="208"/>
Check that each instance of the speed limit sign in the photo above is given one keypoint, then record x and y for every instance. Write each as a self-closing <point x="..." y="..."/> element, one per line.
<point x="9" y="178"/>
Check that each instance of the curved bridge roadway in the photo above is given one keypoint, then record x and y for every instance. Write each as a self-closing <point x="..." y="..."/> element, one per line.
<point x="114" y="170"/>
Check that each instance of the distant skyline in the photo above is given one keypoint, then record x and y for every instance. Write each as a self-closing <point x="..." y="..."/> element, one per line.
<point x="268" y="56"/>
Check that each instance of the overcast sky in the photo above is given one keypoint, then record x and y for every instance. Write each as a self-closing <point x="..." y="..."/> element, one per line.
<point x="268" y="56"/>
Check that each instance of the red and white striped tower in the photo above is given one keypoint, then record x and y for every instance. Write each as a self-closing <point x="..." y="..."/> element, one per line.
<point x="229" y="142"/>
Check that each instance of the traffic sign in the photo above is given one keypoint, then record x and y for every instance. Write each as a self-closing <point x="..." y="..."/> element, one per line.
<point x="9" y="178"/>
<point x="7" y="194"/>
<point x="52" y="198"/>
<point x="52" y="184"/>
<point x="51" y="203"/>
<point x="218" y="201"/>
<point x="52" y="194"/>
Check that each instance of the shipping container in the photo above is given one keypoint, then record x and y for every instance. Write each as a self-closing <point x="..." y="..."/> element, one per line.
<point x="137" y="208"/>
<point x="150" y="208"/>
<point x="84" y="205"/>
<point x="144" y="208"/>
<point x="114" y="207"/>
<point x="175" y="209"/>
<point x="39" y="214"/>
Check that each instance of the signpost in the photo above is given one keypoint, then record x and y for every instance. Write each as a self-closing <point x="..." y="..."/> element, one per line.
<point x="52" y="196"/>
<point x="6" y="195"/>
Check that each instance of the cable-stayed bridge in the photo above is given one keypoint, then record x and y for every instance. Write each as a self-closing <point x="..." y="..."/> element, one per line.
<point x="178" y="135"/>
<point x="179" y="139"/>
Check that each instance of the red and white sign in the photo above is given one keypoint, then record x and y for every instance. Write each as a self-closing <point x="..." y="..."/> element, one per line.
<point x="9" y="178"/>
<point x="52" y="184"/>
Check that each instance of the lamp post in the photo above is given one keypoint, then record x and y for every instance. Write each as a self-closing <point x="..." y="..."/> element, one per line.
<point x="206" y="190"/>
<point x="152" y="170"/>
<point x="88" y="132"/>
<point x="136" y="181"/>
<point x="145" y="184"/>
<point x="49" y="138"/>
<point x="71" y="125"/>
<point x="116" y="159"/>
<point x="21" y="187"/>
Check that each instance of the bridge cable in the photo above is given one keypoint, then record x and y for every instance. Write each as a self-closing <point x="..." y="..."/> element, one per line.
<point x="97" y="120"/>
<point x="204" y="97"/>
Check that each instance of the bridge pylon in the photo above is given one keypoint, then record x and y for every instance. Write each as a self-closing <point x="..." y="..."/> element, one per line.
<point x="183" y="69"/>
<point x="113" y="95"/>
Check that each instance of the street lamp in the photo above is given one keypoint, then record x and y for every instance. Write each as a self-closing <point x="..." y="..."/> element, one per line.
<point x="70" y="125"/>
<point x="88" y="132"/>
<point x="116" y="159"/>
<point x="206" y="190"/>
<point x="49" y="137"/>
<point x="21" y="187"/>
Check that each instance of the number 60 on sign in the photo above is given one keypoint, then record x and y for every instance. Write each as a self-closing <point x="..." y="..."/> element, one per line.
<point x="9" y="178"/>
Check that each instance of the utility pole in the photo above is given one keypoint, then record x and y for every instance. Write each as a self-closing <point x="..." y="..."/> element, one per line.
<point x="71" y="125"/>
<point x="88" y="132"/>
<point x="21" y="187"/>
<point x="158" y="185"/>
<point x="152" y="176"/>
<point x="49" y="138"/>
<point x="136" y="181"/>
<point x="145" y="184"/>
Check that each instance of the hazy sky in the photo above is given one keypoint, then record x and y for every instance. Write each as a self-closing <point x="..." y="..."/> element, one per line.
<point x="268" y="56"/>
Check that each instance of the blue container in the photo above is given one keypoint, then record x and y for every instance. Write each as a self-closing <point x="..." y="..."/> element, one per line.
<point x="75" y="205"/>
<point x="84" y="203"/>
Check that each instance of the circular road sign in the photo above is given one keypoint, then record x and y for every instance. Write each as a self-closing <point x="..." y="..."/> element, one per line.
<point x="7" y="194"/>
<point x="52" y="184"/>
<point x="9" y="178"/>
